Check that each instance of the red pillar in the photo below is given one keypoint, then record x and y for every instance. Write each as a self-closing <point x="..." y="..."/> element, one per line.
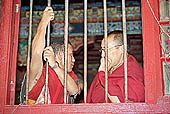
<point x="151" y="52"/>
<point x="8" y="50"/>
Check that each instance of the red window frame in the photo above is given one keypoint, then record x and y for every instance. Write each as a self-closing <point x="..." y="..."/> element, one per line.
<point x="152" y="67"/>
<point x="154" y="87"/>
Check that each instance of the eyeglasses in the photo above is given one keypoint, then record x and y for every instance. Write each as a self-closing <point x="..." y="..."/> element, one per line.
<point x="103" y="49"/>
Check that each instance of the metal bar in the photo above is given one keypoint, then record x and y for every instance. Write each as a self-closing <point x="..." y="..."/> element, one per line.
<point x="29" y="50"/>
<point x="106" y="50"/>
<point x="47" y="63"/>
<point x="49" y="2"/>
<point x="65" y="50"/>
<point x="85" y="51"/>
<point x="125" y="48"/>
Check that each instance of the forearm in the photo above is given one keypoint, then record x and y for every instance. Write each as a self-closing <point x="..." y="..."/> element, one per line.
<point x="72" y="87"/>
<point x="38" y="45"/>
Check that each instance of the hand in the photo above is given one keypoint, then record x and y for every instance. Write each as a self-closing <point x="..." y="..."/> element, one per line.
<point x="48" y="15"/>
<point x="102" y="64"/>
<point x="113" y="99"/>
<point x="50" y="56"/>
<point x="80" y="87"/>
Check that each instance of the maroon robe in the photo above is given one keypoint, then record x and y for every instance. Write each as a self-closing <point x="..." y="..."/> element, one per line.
<point x="56" y="89"/>
<point x="96" y="93"/>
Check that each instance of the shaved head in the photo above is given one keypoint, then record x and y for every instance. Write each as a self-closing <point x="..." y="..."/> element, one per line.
<point x="114" y="38"/>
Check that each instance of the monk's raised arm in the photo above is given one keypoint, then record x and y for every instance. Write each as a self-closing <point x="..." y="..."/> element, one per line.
<point x="38" y="45"/>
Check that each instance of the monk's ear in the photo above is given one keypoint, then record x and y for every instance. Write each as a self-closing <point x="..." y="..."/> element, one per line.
<point x="121" y="48"/>
<point x="60" y="55"/>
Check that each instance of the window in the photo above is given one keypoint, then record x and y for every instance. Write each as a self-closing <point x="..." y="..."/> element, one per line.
<point x="165" y="43"/>
<point x="95" y="32"/>
<point x="152" y="71"/>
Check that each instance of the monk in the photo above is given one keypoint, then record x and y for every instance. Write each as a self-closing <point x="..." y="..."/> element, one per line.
<point x="55" y="56"/>
<point x="116" y="94"/>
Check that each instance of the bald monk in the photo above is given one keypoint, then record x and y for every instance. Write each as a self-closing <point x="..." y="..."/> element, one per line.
<point x="116" y="86"/>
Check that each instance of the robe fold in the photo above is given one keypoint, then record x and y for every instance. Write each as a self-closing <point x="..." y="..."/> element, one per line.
<point x="96" y="93"/>
<point x="56" y="89"/>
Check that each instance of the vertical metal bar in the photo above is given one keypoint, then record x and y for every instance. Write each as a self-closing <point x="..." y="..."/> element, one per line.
<point x="47" y="64"/>
<point x="65" y="50"/>
<point x="106" y="49"/>
<point x="48" y="30"/>
<point x="125" y="48"/>
<point x="85" y="50"/>
<point x="29" y="50"/>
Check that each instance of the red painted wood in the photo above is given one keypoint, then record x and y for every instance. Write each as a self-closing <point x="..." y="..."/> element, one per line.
<point x="162" y="107"/>
<point x="152" y="71"/>
<point x="151" y="49"/>
<point x="13" y="50"/>
<point x="164" y="22"/>
<point x="8" y="51"/>
<point x="163" y="59"/>
<point x="5" y="30"/>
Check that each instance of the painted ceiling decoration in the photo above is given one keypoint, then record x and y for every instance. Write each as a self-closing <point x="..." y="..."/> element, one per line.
<point x="95" y="23"/>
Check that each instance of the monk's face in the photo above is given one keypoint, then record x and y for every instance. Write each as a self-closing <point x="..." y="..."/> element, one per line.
<point x="71" y="59"/>
<point x="115" y="53"/>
